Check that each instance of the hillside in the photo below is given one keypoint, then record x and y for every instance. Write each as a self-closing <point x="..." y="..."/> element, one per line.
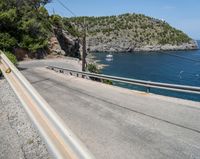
<point x="28" y="31"/>
<point x="131" y="32"/>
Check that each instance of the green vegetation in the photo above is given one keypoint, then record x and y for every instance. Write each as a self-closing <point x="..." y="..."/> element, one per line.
<point x="27" y="29"/>
<point x="92" y="67"/>
<point x="12" y="58"/>
<point x="24" y="24"/>
<point x="67" y="25"/>
<point x="56" y="20"/>
<point x="107" y="82"/>
<point x="136" y="28"/>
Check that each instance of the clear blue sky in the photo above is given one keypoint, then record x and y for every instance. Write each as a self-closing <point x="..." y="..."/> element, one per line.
<point x="182" y="14"/>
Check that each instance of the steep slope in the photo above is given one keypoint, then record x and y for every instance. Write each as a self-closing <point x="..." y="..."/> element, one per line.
<point x="132" y="32"/>
<point x="27" y="30"/>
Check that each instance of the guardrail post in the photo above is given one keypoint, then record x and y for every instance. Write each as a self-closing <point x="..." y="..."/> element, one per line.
<point x="61" y="71"/>
<point x="148" y="90"/>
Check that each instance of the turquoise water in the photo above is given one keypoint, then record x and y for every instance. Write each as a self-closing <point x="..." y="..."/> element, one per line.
<point x="175" y="67"/>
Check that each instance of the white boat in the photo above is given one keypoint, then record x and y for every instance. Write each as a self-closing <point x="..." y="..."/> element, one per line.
<point x="109" y="57"/>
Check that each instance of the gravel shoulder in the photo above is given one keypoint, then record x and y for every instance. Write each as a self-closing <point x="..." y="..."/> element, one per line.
<point x="18" y="138"/>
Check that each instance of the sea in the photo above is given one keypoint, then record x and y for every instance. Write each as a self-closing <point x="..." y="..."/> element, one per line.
<point x="173" y="67"/>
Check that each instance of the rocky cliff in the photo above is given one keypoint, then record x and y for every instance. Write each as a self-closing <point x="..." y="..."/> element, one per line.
<point x="63" y="43"/>
<point x="127" y="46"/>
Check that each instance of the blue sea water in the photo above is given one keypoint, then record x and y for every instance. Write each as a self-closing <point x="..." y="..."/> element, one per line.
<point x="175" y="67"/>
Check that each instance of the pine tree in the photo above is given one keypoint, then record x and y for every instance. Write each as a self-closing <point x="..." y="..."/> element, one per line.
<point x="24" y="24"/>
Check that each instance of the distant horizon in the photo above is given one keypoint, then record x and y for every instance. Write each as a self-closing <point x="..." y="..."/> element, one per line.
<point x="183" y="15"/>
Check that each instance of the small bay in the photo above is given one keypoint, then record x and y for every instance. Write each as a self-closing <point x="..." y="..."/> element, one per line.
<point x="174" y="67"/>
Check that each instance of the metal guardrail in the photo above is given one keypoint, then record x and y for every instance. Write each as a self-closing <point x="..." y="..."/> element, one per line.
<point x="60" y="140"/>
<point x="146" y="84"/>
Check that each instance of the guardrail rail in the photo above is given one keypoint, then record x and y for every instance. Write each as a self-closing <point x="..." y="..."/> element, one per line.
<point x="146" y="84"/>
<point x="60" y="140"/>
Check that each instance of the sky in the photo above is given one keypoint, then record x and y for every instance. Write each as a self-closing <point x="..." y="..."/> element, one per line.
<point x="182" y="14"/>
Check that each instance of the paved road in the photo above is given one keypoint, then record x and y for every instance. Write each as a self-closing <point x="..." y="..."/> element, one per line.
<point x="67" y="62"/>
<point x="117" y="123"/>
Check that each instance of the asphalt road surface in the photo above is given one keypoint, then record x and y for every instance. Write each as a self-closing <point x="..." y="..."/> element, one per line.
<point x="117" y="123"/>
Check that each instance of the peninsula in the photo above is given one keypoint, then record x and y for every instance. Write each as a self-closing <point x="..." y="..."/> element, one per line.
<point x="130" y="33"/>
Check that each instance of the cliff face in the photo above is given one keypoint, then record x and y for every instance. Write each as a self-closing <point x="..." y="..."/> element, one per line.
<point x="126" y="46"/>
<point x="132" y="32"/>
<point x="63" y="43"/>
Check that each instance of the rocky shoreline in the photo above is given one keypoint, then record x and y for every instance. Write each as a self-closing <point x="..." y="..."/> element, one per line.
<point x="69" y="46"/>
<point x="128" y="47"/>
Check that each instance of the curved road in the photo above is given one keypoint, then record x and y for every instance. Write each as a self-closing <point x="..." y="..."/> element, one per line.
<point x="117" y="123"/>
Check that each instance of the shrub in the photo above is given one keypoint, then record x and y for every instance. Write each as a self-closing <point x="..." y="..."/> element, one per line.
<point x="71" y="28"/>
<point x="12" y="58"/>
<point x="56" y="20"/>
<point x="91" y="67"/>
<point x="94" y="69"/>
<point x="107" y="82"/>
<point x="7" y="41"/>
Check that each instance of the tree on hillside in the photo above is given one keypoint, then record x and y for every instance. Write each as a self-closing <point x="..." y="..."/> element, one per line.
<point x="24" y="24"/>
